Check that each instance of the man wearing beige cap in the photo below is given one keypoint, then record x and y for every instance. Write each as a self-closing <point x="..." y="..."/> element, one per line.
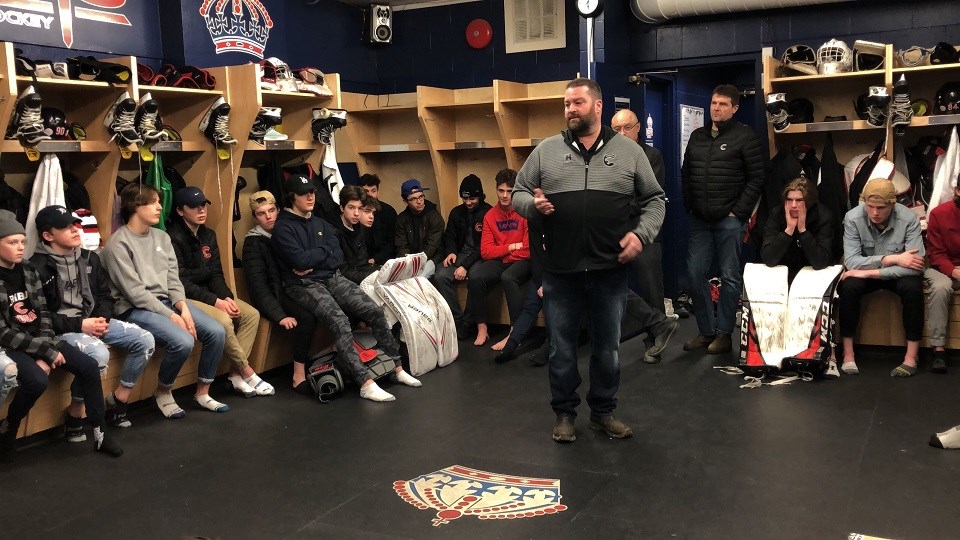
<point x="882" y="249"/>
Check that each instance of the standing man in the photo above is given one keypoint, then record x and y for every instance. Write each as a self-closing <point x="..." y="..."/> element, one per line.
<point x="380" y="236"/>
<point x="595" y="220"/>
<point x="722" y="174"/>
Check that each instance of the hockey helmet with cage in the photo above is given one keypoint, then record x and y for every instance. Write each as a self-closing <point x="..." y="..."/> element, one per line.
<point x="868" y="55"/>
<point x="944" y="53"/>
<point x="800" y="58"/>
<point x="947" y="100"/>
<point x="800" y="111"/>
<point x="834" y="57"/>
<point x="276" y="75"/>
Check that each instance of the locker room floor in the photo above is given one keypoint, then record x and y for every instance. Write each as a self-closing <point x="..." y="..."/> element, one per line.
<point x="708" y="460"/>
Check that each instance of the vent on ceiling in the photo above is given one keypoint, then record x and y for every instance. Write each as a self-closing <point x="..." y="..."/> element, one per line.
<point x="534" y="25"/>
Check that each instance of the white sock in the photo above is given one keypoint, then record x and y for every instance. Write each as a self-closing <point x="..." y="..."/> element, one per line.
<point x="374" y="393"/>
<point x="403" y="377"/>
<point x="240" y="385"/>
<point x="211" y="404"/>
<point x="260" y="386"/>
<point x="168" y="406"/>
<point x="949" y="439"/>
<point x="850" y="368"/>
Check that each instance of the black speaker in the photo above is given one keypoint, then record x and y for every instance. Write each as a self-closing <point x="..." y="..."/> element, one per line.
<point x="379" y="27"/>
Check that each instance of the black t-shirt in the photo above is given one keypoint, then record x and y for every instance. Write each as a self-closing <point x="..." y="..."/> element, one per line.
<point x="21" y="308"/>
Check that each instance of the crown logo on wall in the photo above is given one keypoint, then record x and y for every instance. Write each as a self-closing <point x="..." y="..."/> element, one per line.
<point x="237" y="25"/>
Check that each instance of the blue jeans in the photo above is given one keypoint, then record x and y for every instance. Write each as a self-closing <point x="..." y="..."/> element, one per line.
<point x="178" y="343"/>
<point x="601" y="298"/>
<point x="138" y="343"/>
<point x="706" y="241"/>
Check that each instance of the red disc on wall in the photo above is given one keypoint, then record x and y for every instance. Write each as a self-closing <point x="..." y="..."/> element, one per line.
<point x="479" y="33"/>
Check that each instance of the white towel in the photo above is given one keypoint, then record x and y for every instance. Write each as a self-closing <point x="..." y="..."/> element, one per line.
<point x="47" y="191"/>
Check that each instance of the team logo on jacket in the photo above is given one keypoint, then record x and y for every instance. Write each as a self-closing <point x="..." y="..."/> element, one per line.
<point x="608" y="159"/>
<point x="508" y="225"/>
<point x="478" y="226"/>
<point x="206" y="252"/>
<point x="458" y="491"/>
<point x="723" y="146"/>
<point x="568" y="158"/>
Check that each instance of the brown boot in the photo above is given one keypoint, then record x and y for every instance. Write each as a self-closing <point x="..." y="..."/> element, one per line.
<point x="611" y="426"/>
<point x="721" y="345"/>
<point x="699" y="342"/>
<point x="563" y="429"/>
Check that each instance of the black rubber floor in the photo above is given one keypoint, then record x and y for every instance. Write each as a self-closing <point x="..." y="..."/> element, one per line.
<point x="708" y="460"/>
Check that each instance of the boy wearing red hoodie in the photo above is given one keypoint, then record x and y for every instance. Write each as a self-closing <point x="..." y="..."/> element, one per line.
<point x="505" y="249"/>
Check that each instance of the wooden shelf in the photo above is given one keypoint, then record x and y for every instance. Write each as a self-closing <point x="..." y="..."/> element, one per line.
<point x="61" y="147"/>
<point x="181" y="146"/>
<point x="387" y="110"/>
<point x="389" y="148"/>
<point x="288" y="144"/>
<point x="843" y="125"/>
<point x="66" y="83"/>
<point x="480" y="104"/>
<point x="173" y="90"/>
<point x="468" y="145"/>
<point x="935" y="120"/>
<point x="927" y="69"/>
<point x="834" y="77"/>
<point x="526" y="143"/>
<point x="536" y="100"/>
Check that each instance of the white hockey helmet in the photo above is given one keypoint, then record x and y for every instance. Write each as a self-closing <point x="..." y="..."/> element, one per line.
<point x="834" y="57"/>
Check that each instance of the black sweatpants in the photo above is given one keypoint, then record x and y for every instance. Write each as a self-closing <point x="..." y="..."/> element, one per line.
<point x="485" y="273"/>
<point x="302" y="333"/>
<point x="908" y="288"/>
<point x="33" y="382"/>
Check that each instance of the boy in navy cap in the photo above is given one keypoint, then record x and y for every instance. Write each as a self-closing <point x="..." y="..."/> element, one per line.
<point x="198" y="257"/>
<point x="420" y="225"/>
<point x="77" y="291"/>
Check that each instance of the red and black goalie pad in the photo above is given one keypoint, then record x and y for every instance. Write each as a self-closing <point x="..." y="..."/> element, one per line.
<point x="815" y="356"/>
<point x="751" y="357"/>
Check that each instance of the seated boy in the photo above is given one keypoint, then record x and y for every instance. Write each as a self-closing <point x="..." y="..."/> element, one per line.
<point x="461" y="246"/>
<point x="505" y="249"/>
<point x="420" y="226"/>
<point x="380" y="234"/>
<point x="77" y="291"/>
<point x="309" y="255"/>
<point x="266" y="289"/>
<point x="800" y="232"/>
<point x="882" y="249"/>
<point x="943" y="276"/>
<point x="198" y="258"/>
<point x="356" y="261"/>
<point x="146" y="288"/>
<point x="26" y="333"/>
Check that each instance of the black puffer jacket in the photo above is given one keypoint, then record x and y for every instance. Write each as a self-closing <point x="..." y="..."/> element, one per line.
<point x="88" y="262"/>
<point x="460" y="223"/>
<point x="263" y="275"/>
<point x="355" y="258"/>
<point x="723" y="174"/>
<point x="199" y="258"/>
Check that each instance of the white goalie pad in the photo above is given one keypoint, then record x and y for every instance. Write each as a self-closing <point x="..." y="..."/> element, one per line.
<point x="427" y="325"/>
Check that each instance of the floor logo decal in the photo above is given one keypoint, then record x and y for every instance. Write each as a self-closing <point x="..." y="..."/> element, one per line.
<point x="458" y="491"/>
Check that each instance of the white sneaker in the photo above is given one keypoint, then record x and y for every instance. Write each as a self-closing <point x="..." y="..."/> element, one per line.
<point x="374" y="393"/>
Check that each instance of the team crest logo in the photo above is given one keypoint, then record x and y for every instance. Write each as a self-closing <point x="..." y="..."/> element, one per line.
<point x="608" y="159"/>
<point x="205" y="250"/>
<point x="237" y="25"/>
<point x="567" y="158"/>
<point x="458" y="491"/>
<point x="478" y="226"/>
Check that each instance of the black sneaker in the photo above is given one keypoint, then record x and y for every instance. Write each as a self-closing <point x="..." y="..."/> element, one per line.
<point x="118" y="416"/>
<point x="939" y="364"/>
<point x="8" y="441"/>
<point x="104" y="444"/>
<point x="73" y="430"/>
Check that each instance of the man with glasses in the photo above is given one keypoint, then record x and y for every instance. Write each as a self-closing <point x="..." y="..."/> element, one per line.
<point x="420" y="225"/>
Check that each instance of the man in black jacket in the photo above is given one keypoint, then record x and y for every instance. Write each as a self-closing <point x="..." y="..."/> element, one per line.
<point x="380" y="237"/>
<point x="310" y="255"/>
<point x="77" y="290"/>
<point x="461" y="247"/>
<point x="420" y="225"/>
<point x="722" y="175"/>
<point x="799" y="232"/>
<point x="201" y="273"/>
<point x="266" y="289"/>
<point x="356" y="262"/>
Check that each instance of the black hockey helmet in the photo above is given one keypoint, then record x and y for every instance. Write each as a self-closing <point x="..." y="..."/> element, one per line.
<point x="944" y="53"/>
<point x="800" y="111"/>
<point x="860" y="106"/>
<point x="55" y="123"/>
<point x="947" y="100"/>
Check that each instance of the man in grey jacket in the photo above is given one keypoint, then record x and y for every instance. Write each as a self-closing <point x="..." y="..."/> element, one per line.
<point x="598" y="204"/>
<point x="882" y="249"/>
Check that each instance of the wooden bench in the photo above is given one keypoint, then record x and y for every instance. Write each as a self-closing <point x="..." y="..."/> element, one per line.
<point x="881" y="322"/>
